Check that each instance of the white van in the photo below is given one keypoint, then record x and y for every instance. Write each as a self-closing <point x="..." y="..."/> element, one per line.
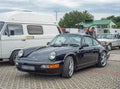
<point x="20" y="30"/>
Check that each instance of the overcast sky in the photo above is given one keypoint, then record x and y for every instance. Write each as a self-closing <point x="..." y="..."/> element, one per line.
<point x="98" y="8"/>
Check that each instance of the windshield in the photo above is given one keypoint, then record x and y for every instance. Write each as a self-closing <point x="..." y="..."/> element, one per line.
<point x="105" y="36"/>
<point x="66" y="39"/>
<point x="1" y="25"/>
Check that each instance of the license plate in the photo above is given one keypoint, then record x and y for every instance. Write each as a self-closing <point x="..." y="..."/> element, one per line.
<point x="28" y="67"/>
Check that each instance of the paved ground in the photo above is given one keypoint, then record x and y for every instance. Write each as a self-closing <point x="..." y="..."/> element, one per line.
<point x="115" y="54"/>
<point x="89" y="78"/>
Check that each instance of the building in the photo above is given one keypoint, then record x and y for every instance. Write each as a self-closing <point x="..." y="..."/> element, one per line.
<point x="102" y="26"/>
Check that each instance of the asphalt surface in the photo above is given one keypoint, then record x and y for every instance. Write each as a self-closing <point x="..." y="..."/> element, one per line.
<point x="88" y="78"/>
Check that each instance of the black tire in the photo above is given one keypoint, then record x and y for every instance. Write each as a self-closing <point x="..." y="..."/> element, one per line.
<point x="102" y="61"/>
<point x="13" y="57"/>
<point x="68" y="67"/>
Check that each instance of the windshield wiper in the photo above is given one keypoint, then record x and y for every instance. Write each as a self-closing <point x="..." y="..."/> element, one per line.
<point x="65" y="44"/>
<point x="59" y="45"/>
<point x="56" y="45"/>
<point x="74" y="45"/>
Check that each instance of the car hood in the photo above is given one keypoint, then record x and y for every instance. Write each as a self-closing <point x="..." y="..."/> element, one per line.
<point x="105" y="40"/>
<point x="49" y="49"/>
<point x="42" y="54"/>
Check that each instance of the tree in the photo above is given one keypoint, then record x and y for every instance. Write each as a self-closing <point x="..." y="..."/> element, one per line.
<point x="116" y="20"/>
<point x="70" y="19"/>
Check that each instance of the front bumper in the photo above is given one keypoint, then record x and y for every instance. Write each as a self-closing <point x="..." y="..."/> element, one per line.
<point x="36" y="67"/>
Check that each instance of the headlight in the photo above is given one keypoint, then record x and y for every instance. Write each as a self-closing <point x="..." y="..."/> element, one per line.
<point x="52" y="55"/>
<point x="20" y="53"/>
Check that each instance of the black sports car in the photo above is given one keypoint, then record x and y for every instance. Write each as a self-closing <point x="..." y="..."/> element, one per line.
<point x="63" y="55"/>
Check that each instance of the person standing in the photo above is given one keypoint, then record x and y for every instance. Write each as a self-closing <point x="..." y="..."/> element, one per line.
<point x="91" y="32"/>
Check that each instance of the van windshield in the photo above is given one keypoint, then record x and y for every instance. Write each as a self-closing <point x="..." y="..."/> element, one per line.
<point x="105" y="36"/>
<point x="1" y="25"/>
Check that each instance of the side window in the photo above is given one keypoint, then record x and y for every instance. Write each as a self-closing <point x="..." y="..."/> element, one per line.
<point x="95" y="42"/>
<point x="13" y="29"/>
<point x="87" y="40"/>
<point x="35" y="29"/>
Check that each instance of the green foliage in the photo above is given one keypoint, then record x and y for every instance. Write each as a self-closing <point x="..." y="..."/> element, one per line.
<point x="116" y="20"/>
<point x="70" y="19"/>
<point x="118" y="24"/>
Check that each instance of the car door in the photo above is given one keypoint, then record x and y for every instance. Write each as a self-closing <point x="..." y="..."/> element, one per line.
<point x="118" y="36"/>
<point x="86" y="53"/>
<point x="117" y="39"/>
<point x="95" y="50"/>
<point x="1" y="26"/>
<point x="12" y="38"/>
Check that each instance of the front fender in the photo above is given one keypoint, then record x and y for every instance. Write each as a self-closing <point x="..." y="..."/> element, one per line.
<point x="69" y="54"/>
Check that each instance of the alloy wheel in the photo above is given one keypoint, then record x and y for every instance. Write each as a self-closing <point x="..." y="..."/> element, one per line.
<point x="71" y="67"/>
<point x="103" y="59"/>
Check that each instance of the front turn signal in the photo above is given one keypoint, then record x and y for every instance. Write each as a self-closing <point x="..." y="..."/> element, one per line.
<point x="53" y="66"/>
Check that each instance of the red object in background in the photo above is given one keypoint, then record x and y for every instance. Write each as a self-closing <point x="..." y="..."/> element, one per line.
<point x="63" y="30"/>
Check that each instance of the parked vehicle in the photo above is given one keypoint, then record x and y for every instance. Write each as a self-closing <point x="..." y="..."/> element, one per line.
<point x="63" y="55"/>
<point x="20" y="30"/>
<point x="114" y="31"/>
<point x="109" y="40"/>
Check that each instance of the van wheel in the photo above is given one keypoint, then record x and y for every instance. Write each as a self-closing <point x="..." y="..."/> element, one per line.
<point x="68" y="67"/>
<point x="13" y="57"/>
